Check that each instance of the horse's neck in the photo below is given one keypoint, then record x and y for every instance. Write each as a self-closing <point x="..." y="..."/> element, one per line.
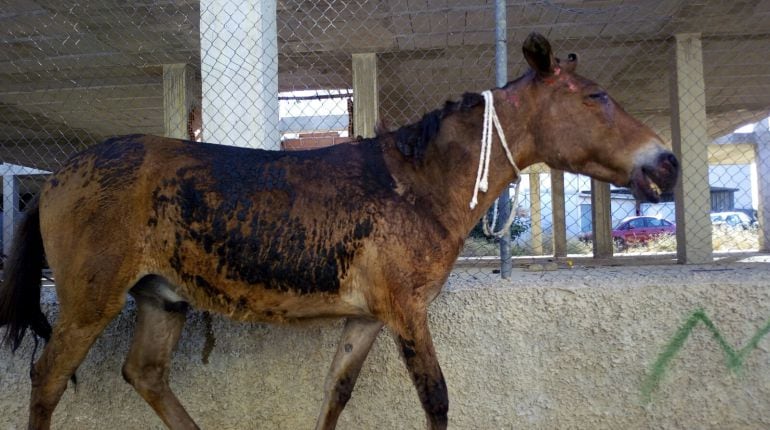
<point x="444" y="181"/>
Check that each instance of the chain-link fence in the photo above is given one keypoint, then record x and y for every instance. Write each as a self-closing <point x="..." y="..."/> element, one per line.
<point x="296" y="74"/>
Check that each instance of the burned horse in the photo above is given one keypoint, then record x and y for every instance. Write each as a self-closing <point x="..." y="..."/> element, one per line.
<point x="366" y="231"/>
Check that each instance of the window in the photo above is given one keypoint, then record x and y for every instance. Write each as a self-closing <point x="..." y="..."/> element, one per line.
<point x="652" y="222"/>
<point x="655" y="222"/>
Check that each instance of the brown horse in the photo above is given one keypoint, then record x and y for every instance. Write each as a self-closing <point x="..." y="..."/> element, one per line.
<point x="367" y="231"/>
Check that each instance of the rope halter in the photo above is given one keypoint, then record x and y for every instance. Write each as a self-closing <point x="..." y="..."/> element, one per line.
<point x="482" y="174"/>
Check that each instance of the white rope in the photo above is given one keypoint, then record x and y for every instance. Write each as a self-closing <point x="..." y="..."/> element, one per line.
<point x="482" y="174"/>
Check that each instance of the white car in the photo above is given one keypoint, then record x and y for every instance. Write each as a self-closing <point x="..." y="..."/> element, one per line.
<point x="731" y="220"/>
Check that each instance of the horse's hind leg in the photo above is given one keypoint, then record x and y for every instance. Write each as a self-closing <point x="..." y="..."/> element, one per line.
<point x="159" y="323"/>
<point x="77" y="327"/>
<point x="357" y="338"/>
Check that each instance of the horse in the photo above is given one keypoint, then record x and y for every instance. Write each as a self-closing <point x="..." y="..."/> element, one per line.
<point x="367" y="231"/>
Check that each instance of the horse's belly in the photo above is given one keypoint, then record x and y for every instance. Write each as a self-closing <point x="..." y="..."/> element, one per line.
<point x="259" y="303"/>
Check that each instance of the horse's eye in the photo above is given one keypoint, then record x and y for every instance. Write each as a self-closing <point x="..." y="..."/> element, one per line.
<point x="599" y="97"/>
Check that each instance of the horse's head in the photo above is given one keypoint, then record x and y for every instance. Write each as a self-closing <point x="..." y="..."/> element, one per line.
<point x="576" y="126"/>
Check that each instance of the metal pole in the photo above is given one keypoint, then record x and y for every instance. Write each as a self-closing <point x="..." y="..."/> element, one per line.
<point x="501" y="78"/>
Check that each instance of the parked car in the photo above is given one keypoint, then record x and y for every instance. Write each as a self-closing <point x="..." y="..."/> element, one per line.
<point x="637" y="230"/>
<point x="733" y="220"/>
<point x="752" y="214"/>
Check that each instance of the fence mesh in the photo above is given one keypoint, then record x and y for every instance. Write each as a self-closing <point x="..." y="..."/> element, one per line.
<point x="279" y="75"/>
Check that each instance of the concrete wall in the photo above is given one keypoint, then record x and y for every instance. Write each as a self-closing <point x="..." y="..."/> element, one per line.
<point x="552" y="350"/>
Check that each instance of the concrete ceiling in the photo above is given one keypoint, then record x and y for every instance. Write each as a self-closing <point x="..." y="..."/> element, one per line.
<point x="72" y="73"/>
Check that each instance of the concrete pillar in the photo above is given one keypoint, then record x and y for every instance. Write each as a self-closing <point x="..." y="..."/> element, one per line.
<point x="535" y="214"/>
<point x="10" y="209"/>
<point x="690" y="142"/>
<point x="601" y="218"/>
<point x="239" y="72"/>
<point x="762" y="136"/>
<point x="558" y="205"/>
<point x="365" y="94"/>
<point x="178" y="99"/>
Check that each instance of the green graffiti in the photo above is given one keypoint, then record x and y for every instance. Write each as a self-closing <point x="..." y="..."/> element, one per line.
<point x="734" y="359"/>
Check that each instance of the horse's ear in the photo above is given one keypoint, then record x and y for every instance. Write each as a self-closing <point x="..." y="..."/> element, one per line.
<point x="537" y="51"/>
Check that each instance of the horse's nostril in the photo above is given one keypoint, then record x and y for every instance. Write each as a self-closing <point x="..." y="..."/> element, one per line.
<point x="668" y="157"/>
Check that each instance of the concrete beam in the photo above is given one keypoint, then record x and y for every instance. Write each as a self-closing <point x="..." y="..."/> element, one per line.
<point x="733" y="153"/>
<point x="601" y="218"/>
<point x="558" y="205"/>
<point x="690" y="143"/>
<point x="365" y="94"/>
<point x="178" y="99"/>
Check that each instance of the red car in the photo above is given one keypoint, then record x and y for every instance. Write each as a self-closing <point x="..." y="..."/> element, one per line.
<point x="637" y="229"/>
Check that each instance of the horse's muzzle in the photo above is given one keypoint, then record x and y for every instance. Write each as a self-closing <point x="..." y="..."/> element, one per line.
<point x="655" y="177"/>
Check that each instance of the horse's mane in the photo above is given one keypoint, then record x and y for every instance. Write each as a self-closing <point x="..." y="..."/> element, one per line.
<point x="413" y="140"/>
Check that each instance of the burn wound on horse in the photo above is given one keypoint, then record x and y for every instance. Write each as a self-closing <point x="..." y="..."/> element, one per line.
<point x="344" y="389"/>
<point x="116" y="161"/>
<point x="432" y="389"/>
<point x="240" y="212"/>
<point x="436" y="396"/>
<point x="407" y="348"/>
<point x="112" y="164"/>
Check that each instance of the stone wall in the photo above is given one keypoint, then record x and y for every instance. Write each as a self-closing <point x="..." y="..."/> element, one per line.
<point x="583" y="348"/>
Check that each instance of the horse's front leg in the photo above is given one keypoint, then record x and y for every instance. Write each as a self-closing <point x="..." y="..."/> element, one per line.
<point x="357" y="339"/>
<point x="416" y="345"/>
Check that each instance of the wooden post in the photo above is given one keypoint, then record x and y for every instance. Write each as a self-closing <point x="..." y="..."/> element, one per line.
<point x="365" y="94"/>
<point x="559" y="214"/>
<point x="178" y="99"/>
<point x="601" y="218"/>
<point x="535" y="213"/>
<point x="690" y="143"/>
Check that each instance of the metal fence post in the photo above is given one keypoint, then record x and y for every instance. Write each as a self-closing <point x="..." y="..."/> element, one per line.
<point x="501" y="77"/>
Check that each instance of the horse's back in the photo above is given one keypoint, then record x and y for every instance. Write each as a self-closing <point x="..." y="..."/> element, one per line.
<point x="240" y="231"/>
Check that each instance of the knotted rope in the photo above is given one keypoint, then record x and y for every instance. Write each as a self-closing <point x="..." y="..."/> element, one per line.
<point x="482" y="175"/>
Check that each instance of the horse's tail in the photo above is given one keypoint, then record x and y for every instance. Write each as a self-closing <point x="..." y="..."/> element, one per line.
<point x="20" y="290"/>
